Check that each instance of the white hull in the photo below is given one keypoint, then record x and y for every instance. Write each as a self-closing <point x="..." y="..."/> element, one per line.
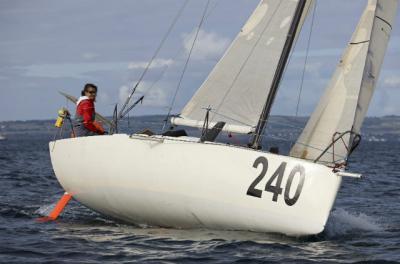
<point x="178" y="182"/>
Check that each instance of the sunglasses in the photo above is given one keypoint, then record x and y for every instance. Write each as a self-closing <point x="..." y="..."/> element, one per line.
<point x="91" y="92"/>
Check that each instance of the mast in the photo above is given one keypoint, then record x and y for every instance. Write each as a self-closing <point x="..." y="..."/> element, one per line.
<point x="256" y="142"/>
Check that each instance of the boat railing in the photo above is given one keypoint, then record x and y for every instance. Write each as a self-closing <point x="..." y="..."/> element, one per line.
<point x="335" y="138"/>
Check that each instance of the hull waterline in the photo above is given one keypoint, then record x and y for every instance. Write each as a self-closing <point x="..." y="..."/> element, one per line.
<point x="181" y="183"/>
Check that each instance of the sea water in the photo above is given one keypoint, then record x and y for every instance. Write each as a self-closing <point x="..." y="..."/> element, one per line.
<point x="363" y="227"/>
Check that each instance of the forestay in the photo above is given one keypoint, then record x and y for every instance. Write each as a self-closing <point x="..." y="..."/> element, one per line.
<point x="237" y="87"/>
<point x="345" y="102"/>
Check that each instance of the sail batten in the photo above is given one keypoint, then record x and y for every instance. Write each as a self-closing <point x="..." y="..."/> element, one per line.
<point x="343" y="106"/>
<point x="238" y="86"/>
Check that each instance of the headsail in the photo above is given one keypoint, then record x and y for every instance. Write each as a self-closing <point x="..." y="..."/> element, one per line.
<point x="237" y="88"/>
<point x="345" y="102"/>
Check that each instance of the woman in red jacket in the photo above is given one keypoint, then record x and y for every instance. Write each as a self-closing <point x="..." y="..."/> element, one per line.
<point x="85" y="113"/>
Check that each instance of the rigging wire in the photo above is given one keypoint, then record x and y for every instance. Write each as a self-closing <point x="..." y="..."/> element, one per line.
<point x="306" y="58"/>
<point x="251" y="52"/>
<point x="288" y="62"/>
<point x="230" y="118"/>
<point x="186" y="64"/>
<point x="303" y="144"/>
<point x="121" y="113"/>
<point x="162" y="74"/>
<point x="293" y="141"/>
<point x="237" y="75"/>
<point x="290" y="43"/>
<point x="247" y="59"/>
<point x="164" y="70"/>
<point x="180" y="51"/>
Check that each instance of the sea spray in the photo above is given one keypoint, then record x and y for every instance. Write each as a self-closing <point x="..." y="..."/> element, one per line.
<point x="343" y="222"/>
<point x="45" y="209"/>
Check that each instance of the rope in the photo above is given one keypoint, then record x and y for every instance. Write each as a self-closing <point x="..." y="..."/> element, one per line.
<point x="306" y="59"/>
<point x="186" y="64"/>
<point x="152" y="59"/>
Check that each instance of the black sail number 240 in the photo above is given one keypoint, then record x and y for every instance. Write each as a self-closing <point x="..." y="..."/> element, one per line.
<point x="277" y="177"/>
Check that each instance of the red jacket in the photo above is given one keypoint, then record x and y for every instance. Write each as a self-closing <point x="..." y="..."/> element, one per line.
<point x="85" y="113"/>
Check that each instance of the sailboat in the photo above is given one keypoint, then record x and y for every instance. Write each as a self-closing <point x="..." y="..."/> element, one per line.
<point x="195" y="182"/>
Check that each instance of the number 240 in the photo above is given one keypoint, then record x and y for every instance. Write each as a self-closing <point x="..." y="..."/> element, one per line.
<point x="278" y="175"/>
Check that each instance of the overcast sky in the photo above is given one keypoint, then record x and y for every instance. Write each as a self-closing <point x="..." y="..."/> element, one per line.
<point x="48" y="46"/>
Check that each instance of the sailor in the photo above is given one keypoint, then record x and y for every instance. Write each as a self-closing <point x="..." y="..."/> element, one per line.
<point x="85" y="124"/>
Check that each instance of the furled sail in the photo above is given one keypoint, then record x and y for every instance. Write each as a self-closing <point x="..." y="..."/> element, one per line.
<point x="341" y="110"/>
<point x="237" y="87"/>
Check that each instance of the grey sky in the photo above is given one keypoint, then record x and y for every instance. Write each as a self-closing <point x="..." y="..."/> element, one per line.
<point x="47" y="46"/>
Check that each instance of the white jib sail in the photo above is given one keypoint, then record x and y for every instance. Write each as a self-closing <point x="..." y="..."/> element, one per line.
<point x="237" y="87"/>
<point x="345" y="102"/>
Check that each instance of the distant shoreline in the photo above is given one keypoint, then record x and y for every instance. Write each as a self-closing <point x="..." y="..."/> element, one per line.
<point x="154" y="116"/>
<point x="385" y="128"/>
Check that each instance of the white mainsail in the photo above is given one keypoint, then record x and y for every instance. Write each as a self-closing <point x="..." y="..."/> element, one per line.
<point x="345" y="102"/>
<point x="237" y="88"/>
